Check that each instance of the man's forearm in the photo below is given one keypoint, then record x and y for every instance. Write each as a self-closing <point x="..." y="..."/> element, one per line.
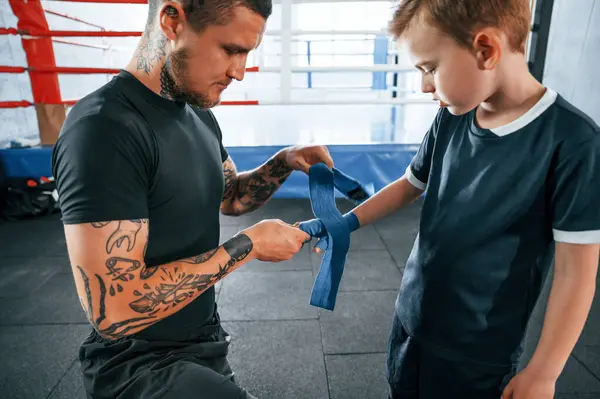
<point x="248" y="191"/>
<point x="123" y="295"/>
<point x="391" y="198"/>
<point x="569" y="303"/>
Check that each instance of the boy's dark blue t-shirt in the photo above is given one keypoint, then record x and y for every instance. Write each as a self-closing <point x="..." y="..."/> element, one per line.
<point x="496" y="201"/>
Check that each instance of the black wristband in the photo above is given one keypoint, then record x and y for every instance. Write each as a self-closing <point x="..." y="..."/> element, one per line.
<point x="238" y="247"/>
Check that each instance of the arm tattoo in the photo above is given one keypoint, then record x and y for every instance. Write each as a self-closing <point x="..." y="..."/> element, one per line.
<point x="148" y="272"/>
<point x="257" y="187"/>
<point x="230" y="174"/>
<point x="121" y="273"/>
<point x="179" y="286"/>
<point x="250" y="190"/>
<point x="115" y="330"/>
<point x="196" y="260"/>
<point x="161" y="288"/>
<point x="278" y="169"/>
<point x="126" y="231"/>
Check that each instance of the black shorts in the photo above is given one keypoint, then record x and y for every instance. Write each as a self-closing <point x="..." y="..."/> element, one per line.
<point x="415" y="372"/>
<point x="138" y="368"/>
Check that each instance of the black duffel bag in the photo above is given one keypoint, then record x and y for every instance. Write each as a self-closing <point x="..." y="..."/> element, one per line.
<point x="23" y="198"/>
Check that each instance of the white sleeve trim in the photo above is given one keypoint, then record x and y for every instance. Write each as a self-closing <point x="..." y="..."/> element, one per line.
<point x="413" y="180"/>
<point x="577" y="237"/>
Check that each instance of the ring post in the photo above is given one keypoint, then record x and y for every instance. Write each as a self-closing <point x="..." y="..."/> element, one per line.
<point x="40" y="54"/>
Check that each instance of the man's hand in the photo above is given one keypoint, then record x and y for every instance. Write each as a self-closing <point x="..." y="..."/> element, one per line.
<point x="316" y="229"/>
<point x="529" y="385"/>
<point x="302" y="158"/>
<point x="247" y="191"/>
<point x="275" y="240"/>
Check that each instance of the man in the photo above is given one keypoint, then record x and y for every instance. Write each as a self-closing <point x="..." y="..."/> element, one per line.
<point x="142" y="175"/>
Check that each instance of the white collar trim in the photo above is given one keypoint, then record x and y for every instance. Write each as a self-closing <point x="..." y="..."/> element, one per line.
<point x="542" y="105"/>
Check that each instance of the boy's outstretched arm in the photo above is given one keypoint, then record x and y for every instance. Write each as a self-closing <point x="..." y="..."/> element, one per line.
<point x="571" y="295"/>
<point x="405" y="190"/>
<point x="388" y="200"/>
<point x="395" y="195"/>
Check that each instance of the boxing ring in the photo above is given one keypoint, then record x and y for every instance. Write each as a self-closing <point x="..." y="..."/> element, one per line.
<point x="347" y="89"/>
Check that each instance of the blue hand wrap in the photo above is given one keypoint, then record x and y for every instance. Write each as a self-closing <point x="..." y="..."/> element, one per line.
<point x="332" y="228"/>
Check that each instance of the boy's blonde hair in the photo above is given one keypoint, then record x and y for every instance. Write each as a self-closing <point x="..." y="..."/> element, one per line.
<point x="460" y="19"/>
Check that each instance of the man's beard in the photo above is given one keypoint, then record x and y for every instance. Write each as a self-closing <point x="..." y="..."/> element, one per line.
<point x="176" y="66"/>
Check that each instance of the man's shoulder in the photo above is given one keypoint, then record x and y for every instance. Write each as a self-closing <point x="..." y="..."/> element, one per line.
<point x="105" y="114"/>
<point x="109" y="103"/>
<point x="100" y="126"/>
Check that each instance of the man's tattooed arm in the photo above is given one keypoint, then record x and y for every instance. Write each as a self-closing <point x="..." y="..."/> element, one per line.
<point x="247" y="191"/>
<point x="121" y="294"/>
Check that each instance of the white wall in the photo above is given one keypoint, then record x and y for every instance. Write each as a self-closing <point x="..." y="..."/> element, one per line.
<point x="574" y="54"/>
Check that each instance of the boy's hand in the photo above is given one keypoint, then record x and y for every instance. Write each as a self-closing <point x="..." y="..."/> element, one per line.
<point x="527" y="385"/>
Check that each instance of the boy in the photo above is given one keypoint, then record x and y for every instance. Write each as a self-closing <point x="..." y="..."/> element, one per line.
<point x="512" y="176"/>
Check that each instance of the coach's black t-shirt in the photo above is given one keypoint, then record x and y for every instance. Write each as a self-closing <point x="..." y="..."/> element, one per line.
<point x="125" y="152"/>
<point x="496" y="201"/>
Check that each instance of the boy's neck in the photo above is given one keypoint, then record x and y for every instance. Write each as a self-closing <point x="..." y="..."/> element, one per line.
<point x="516" y="93"/>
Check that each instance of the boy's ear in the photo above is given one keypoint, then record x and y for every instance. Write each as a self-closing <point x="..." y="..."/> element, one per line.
<point x="487" y="46"/>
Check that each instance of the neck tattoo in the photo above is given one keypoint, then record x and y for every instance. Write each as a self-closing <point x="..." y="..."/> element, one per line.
<point x="151" y="50"/>
<point x="168" y="87"/>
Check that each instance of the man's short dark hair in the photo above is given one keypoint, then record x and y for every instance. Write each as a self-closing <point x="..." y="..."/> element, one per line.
<point x="202" y="13"/>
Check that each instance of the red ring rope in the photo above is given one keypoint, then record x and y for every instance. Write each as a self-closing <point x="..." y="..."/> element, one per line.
<point x="25" y="104"/>
<point x="73" y="70"/>
<point x="107" y="1"/>
<point x="65" y="70"/>
<point x="15" y="104"/>
<point x="240" y="102"/>
<point x="12" y="69"/>
<point x="96" y="46"/>
<point x="66" y="16"/>
<point x="8" y="31"/>
<point x="67" y="33"/>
